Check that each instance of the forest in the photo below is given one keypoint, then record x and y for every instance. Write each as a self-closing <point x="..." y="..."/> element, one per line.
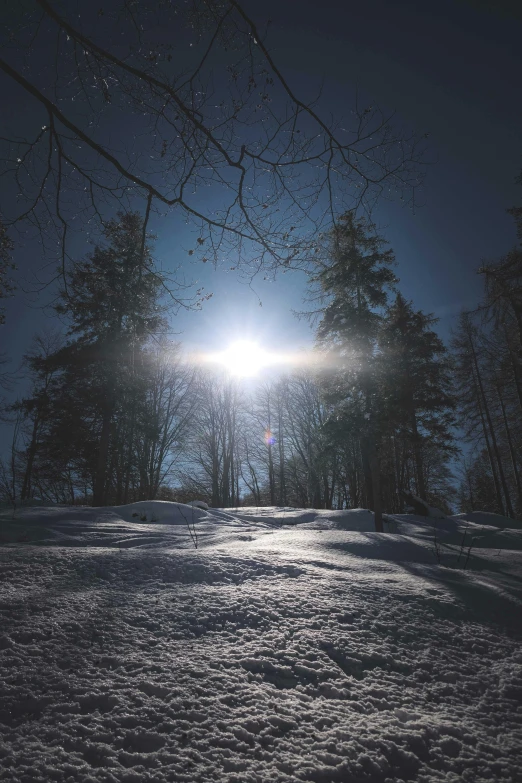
<point x="117" y="413"/>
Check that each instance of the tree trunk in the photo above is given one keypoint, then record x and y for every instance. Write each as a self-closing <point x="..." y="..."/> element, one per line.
<point x="419" y="464"/>
<point x="128" y="462"/>
<point x="100" y="479"/>
<point x="281" y="447"/>
<point x="376" y="484"/>
<point x="484" y="410"/>
<point x="470" y="488"/>
<point x="372" y="479"/>
<point x="367" y="472"/>
<point x="493" y="438"/>
<point x="271" y="476"/>
<point x="511" y="448"/>
<point x="26" y="485"/>
<point x="514" y="366"/>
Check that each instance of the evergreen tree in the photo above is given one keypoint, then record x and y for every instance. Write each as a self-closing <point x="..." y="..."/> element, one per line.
<point x="355" y="279"/>
<point x="111" y="305"/>
<point x="416" y="381"/>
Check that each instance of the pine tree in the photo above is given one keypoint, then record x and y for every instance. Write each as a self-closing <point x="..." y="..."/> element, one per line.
<point x="111" y="305"/>
<point x="416" y="381"/>
<point x="355" y="279"/>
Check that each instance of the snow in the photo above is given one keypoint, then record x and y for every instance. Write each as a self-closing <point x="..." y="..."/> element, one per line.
<point x="431" y="511"/>
<point x="291" y="645"/>
<point x="199" y="504"/>
<point x="490" y="519"/>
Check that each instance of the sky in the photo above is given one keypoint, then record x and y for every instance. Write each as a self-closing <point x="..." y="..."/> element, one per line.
<point x="452" y="69"/>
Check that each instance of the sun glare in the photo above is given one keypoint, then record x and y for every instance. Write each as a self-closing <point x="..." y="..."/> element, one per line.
<point x="244" y="358"/>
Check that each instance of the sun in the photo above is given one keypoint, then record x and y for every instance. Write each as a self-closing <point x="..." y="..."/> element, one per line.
<point x="244" y="358"/>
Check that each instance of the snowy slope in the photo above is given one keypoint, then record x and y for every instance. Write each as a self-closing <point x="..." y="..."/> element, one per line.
<point x="291" y="645"/>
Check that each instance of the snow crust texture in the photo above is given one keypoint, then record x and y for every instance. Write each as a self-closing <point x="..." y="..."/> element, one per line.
<point x="314" y="651"/>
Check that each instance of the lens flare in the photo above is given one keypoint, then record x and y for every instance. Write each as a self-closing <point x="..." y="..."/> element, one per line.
<point x="269" y="438"/>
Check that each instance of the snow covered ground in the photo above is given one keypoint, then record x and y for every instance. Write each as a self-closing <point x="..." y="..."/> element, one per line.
<point x="291" y="645"/>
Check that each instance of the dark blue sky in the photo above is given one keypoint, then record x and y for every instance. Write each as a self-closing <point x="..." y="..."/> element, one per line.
<point x="453" y="69"/>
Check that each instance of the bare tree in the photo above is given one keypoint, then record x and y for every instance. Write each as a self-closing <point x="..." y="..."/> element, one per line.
<point x="10" y="467"/>
<point x="181" y="106"/>
<point x="212" y="451"/>
<point x="313" y="466"/>
<point x="167" y="414"/>
<point x="476" y="405"/>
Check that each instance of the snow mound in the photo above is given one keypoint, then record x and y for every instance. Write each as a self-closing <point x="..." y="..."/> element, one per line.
<point x="162" y="511"/>
<point x="282" y="515"/>
<point x="489" y="519"/>
<point x="199" y="504"/>
<point x="420" y="506"/>
<point x="309" y="518"/>
<point x="356" y="519"/>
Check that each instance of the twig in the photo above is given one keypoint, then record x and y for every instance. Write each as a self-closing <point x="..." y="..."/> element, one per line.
<point x="436" y="544"/>
<point x="191" y="526"/>
<point x="462" y="544"/>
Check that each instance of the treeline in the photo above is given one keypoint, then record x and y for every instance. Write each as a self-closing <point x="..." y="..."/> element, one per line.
<point x="115" y="414"/>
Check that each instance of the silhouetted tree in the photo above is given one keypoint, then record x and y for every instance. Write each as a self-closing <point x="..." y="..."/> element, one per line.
<point x="88" y="394"/>
<point x="164" y="418"/>
<point x="354" y="277"/>
<point x="416" y="385"/>
<point x="214" y="442"/>
<point x="477" y="407"/>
